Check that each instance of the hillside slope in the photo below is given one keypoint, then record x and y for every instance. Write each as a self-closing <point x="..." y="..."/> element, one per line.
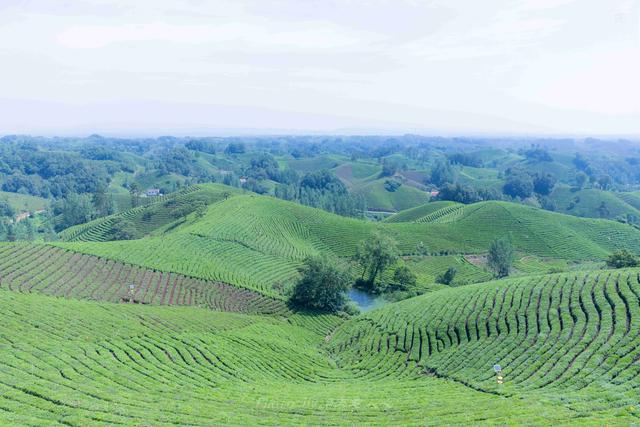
<point x="259" y="242"/>
<point x="54" y="271"/>
<point x="572" y="336"/>
<point x="80" y="363"/>
<point x="419" y="212"/>
<point x="153" y="214"/>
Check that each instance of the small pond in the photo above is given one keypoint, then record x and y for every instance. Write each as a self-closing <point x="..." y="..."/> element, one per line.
<point x="365" y="301"/>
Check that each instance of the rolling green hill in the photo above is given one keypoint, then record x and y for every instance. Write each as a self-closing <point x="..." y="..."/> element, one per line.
<point x="594" y="203"/>
<point x="378" y="197"/>
<point x="573" y="337"/>
<point x="153" y="214"/>
<point x="258" y="242"/>
<point x="80" y="363"/>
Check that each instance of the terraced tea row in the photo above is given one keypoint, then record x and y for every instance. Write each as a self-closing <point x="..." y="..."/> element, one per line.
<point x="80" y="363"/>
<point x="54" y="271"/>
<point x="149" y="217"/>
<point x="572" y="336"/>
<point x="258" y="242"/>
<point x="415" y="214"/>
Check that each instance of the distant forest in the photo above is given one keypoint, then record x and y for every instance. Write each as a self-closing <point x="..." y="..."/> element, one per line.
<point x="49" y="184"/>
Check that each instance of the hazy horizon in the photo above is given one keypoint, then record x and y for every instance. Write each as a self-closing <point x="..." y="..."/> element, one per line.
<point x="245" y="67"/>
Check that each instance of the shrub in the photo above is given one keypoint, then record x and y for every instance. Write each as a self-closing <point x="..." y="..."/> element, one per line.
<point x="448" y="276"/>
<point x="622" y="259"/>
<point x="404" y="278"/>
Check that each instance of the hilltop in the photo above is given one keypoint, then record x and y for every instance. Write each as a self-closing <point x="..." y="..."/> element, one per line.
<point x="215" y="243"/>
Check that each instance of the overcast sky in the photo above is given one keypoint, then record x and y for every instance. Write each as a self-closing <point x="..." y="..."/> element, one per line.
<point x="206" y="67"/>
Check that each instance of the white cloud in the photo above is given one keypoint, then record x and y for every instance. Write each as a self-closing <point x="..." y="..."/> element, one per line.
<point x="505" y="65"/>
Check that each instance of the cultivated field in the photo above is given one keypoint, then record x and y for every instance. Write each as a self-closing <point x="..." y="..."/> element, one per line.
<point x="572" y="337"/>
<point x="81" y="363"/>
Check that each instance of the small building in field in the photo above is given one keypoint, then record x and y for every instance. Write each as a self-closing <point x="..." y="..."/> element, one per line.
<point x="434" y="193"/>
<point x="152" y="192"/>
<point x="243" y="180"/>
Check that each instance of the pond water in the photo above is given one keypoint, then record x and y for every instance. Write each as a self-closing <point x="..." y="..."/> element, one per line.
<point x="365" y="301"/>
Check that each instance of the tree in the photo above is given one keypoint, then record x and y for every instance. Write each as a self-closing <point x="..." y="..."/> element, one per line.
<point x="234" y="148"/>
<point x="442" y="173"/>
<point x="543" y="183"/>
<point x="6" y="209"/>
<point x="134" y="190"/>
<point x="603" y="210"/>
<point x="76" y="209"/>
<point x="322" y="285"/>
<point x="605" y="181"/>
<point x="404" y="278"/>
<point x="448" y="276"/>
<point x="621" y="259"/>
<point x="500" y="258"/>
<point x="518" y="185"/>
<point x="458" y="193"/>
<point x="391" y="185"/>
<point x="374" y="256"/>
<point x="124" y="229"/>
<point x="581" y="179"/>
<point x="538" y="154"/>
<point x="103" y="202"/>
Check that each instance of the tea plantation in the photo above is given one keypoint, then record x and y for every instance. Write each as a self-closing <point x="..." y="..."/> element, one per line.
<point x="81" y="363"/>
<point x="277" y="235"/>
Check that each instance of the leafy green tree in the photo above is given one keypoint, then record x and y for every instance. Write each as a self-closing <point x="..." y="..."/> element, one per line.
<point x="6" y="209"/>
<point x="458" y="193"/>
<point x="442" y="173"/>
<point x="322" y="285"/>
<point x="518" y="185"/>
<point x="374" y="256"/>
<point x="581" y="179"/>
<point x="123" y="229"/>
<point x="76" y="209"/>
<point x="500" y="257"/>
<point x="448" y="276"/>
<point x="605" y="181"/>
<point x="103" y="202"/>
<point x="622" y="259"/>
<point x="404" y="278"/>
<point x="134" y="190"/>
<point x="543" y="183"/>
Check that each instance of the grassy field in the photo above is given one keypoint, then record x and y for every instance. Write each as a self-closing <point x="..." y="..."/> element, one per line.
<point x="80" y="363"/>
<point x="571" y="337"/>
<point x="277" y="235"/>
<point x="24" y="202"/>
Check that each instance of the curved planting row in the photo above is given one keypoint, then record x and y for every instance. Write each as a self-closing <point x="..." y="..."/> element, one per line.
<point x="575" y="335"/>
<point x="149" y="217"/>
<point x="444" y="215"/>
<point x="83" y="363"/>
<point x="415" y="214"/>
<point x="55" y="271"/>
